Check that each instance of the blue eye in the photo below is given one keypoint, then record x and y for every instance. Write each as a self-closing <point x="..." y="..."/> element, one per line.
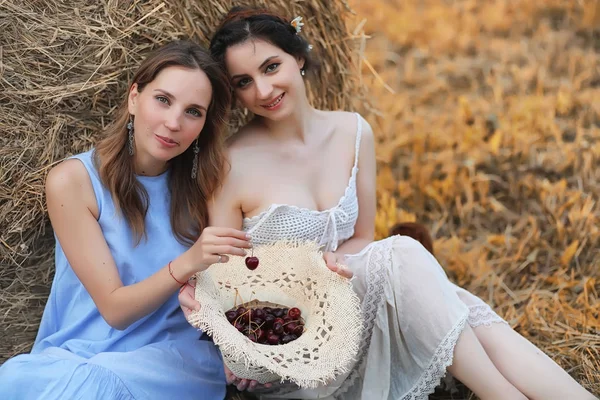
<point x="162" y="99"/>
<point x="195" y="112"/>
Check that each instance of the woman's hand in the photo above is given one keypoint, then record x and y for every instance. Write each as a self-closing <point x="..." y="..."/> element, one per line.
<point x="243" y="384"/>
<point x="215" y="245"/>
<point x="335" y="262"/>
<point x="189" y="304"/>
<point x="187" y="298"/>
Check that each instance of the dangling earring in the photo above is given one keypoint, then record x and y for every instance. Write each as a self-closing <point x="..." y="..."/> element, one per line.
<point x="130" y="129"/>
<point x="302" y="72"/>
<point x="195" y="162"/>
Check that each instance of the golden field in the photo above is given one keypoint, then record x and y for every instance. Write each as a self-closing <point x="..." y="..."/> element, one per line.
<point x="487" y="116"/>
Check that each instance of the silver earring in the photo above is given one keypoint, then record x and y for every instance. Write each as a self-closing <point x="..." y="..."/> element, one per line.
<point x="195" y="162"/>
<point x="302" y="72"/>
<point x="130" y="134"/>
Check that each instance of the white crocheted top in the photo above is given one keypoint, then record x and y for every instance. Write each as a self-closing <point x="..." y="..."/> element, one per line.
<point x="328" y="227"/>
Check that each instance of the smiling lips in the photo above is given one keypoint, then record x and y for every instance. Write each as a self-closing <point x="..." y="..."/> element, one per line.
<point x="165" y="141"/>
<point x="272" y="105"/>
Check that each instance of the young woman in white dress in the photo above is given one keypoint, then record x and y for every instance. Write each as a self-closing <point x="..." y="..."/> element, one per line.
<point x="302" y="173"/>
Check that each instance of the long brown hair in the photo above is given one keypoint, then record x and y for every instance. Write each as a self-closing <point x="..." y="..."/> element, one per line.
<point x="189" y="197"/>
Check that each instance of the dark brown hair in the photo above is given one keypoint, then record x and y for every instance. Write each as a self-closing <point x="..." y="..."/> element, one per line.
<point x="189" y="197"/>
<point x="245" y="23"/>
<point x="416" y="231"/>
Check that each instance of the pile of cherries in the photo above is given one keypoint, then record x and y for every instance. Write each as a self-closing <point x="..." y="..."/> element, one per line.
<point x="267" y="325"/>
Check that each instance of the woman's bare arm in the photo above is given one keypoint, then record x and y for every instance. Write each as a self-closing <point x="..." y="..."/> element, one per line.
<point x="73" y="213"/>
<point x="364" y="230"/>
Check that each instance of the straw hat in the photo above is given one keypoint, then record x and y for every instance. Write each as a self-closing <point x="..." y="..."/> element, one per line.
<point x="290" y="275"/>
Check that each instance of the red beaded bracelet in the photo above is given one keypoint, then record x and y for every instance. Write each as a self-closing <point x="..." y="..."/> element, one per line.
<point x="176" y="280"/>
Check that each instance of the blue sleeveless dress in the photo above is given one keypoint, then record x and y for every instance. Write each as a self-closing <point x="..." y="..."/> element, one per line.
<point x="77" y="355"/>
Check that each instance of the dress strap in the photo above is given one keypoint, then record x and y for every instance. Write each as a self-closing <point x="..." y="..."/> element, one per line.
<point x="358" y="134"/>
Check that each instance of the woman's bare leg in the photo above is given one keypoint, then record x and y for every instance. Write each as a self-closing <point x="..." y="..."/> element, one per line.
<point x="473" y="367"/>
<point x="528" y="368"/>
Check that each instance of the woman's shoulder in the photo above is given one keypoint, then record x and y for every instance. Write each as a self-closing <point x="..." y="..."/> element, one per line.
<point x="349" y="122"/>
<point x="67" y="174"/>
<point x="68" y="180"/>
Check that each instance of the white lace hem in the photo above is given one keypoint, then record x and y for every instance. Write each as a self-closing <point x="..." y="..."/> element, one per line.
<point x="441" y="360"/>
<point x="482" y="314"/>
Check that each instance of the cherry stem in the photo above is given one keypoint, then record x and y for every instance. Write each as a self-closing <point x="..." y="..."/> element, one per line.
<point x="296" y="321"/>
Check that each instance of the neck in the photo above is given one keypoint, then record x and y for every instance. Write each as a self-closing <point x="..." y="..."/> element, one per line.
<point x="295" y="126"/>
<point x="144" y="165"/>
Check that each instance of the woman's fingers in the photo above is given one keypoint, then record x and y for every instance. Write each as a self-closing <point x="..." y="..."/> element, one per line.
<point x="242" y="385"/>
<point x="330" y="259"/>
<point x="187" y="299"/>
<point x="344" y="271"/>
<point x="226" y="249"/>
<point x="252" y="385"/>
<point x="227" y="232"/>
<point x="229" y="376"/>
<point x="232" y="241"/>
<point x="217" y="259"/>
<point x="341" y="269"/>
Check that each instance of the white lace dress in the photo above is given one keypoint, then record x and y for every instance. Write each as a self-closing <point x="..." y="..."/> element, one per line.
<point x="412" y="314"/>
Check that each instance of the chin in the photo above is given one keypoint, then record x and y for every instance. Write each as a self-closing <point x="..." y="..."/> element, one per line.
<point x="278" y="115"/>
<point x="163" y="155"/>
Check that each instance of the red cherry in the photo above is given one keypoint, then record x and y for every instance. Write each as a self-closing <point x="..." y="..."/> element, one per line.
<point x="231" y="315"/>
<point x="298" y="330"/>
<point x="273" y="339"/>
<point x="294" y="313"/>
<point x="261" y="335"/>
<point x="252" y="336"/>
<point x="286" y="339"/>
<point x="240" y="311"/>
<point x="289" y="328"/>
<point x="240" y="326"/>
<point x="277" y="328"/>
<point x="252" y="263"/>
<point x="269" y="319"/>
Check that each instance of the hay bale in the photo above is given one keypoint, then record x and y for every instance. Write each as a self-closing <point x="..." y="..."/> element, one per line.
<point x="64" y="67"/>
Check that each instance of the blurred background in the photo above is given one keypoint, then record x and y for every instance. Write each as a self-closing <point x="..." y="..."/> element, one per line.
<point x="487" y="115"/>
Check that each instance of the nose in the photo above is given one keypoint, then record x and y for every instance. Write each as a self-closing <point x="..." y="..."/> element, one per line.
<point x="264" y="89"/>
<point x="172" y="119"/>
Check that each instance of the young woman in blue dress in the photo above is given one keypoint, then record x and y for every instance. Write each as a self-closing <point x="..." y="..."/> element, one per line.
<point x="130" y="218"/>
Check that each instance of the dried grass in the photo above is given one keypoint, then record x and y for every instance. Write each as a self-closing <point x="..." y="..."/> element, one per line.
<point x="491" y="137"/>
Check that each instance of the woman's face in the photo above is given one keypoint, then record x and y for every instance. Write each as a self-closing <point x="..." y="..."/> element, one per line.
<point x="170" y="112"/>
<point x="266" y="79"/>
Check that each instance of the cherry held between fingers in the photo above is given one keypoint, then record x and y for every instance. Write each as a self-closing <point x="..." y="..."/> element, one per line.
<point x="252" y="263"/>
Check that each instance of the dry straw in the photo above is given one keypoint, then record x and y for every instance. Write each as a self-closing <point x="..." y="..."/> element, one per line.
<point x="492" y="139"/>
<point x="64" y="67"/>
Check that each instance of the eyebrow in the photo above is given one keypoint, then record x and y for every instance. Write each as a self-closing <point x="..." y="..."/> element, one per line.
<point x="171" y="96"/>
<point x="260" y="67"/>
